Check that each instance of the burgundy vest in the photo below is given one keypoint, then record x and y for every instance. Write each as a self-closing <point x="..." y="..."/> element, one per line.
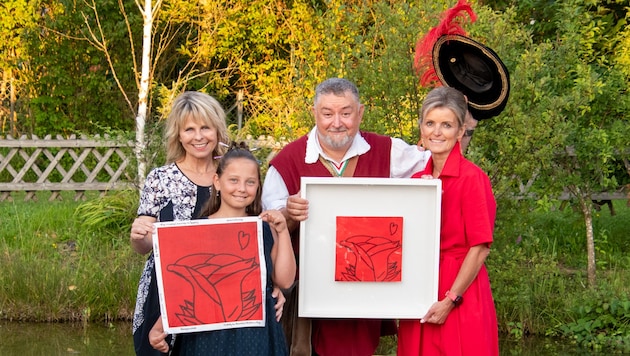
<point x="289" y="162"/>
<point x="291" y="166"/>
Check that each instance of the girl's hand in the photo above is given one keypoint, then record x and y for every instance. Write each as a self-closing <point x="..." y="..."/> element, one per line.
<point x="275" y="219"/>
<point x="157" y="337"/>
<point x="277" y="293"/>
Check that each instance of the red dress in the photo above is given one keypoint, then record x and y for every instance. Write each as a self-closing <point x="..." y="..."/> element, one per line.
<point x="468" y="213"/>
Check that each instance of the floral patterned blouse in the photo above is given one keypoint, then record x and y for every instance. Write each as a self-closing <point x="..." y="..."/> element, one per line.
<point x="169" y="195"/>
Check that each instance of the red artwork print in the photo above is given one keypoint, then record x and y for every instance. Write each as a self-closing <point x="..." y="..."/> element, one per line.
<point x="211" y="273"/>
<point x="369" y="249"/>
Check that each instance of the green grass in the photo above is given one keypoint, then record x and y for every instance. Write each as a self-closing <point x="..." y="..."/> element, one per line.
<point x="56" y="267"/>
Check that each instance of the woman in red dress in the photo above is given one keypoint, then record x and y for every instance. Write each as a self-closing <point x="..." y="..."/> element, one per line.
<point x="463" y="320"/>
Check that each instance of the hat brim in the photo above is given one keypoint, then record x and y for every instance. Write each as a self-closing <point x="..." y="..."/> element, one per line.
<point x="475" y="70"/>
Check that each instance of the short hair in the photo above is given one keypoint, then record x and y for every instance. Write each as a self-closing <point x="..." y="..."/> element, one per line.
<point x="337" y="86"/>
<point x="445" y="97"/>
<point x="197" y="106"/>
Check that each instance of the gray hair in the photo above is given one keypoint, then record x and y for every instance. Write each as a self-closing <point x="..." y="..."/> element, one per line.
<point x="337" y="86"/>
<point x="445" y="97"/>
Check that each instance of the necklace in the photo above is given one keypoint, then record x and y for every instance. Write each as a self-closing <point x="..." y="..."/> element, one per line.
<point x="338" y="169"/>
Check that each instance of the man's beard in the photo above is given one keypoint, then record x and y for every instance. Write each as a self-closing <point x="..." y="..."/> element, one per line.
<point x="336" y="143"/>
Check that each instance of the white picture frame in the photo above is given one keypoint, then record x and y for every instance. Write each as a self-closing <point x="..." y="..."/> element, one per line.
<point x="417" y="201"/>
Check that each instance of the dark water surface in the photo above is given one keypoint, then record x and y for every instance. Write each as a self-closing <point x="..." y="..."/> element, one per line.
<point x="34" y="339"/>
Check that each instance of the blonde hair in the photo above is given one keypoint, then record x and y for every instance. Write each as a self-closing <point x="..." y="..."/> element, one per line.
<point x="197" y="106"/>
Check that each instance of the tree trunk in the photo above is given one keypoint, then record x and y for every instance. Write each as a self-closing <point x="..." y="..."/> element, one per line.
<point x="143" y="92"/>
<point x="587" y="211"/>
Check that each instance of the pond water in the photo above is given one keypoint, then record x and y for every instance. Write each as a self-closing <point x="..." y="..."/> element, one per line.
<point x="35" y="339"/>
<point x="30" y="339"/>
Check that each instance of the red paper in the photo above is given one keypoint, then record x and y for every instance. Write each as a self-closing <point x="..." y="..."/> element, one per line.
<point x="369" y="249"/>
<point x="211" y="274"/>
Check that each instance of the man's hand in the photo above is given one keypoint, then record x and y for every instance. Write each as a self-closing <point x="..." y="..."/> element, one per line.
<point x="469" y="124"/>
<point x="295" y="211"/>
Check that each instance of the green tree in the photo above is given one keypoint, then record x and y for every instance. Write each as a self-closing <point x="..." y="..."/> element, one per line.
<point x="567" y="122"/>
<point x="258" y="44"/>
<point x="73" y="89"/>
<point x="18" y="18"/>
<point x="372" y="43"/>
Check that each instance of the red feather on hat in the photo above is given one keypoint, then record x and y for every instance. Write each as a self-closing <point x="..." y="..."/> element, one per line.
<point x="449" y="25"/>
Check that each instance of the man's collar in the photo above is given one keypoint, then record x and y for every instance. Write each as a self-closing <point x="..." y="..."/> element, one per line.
<point x="314" y="149"/>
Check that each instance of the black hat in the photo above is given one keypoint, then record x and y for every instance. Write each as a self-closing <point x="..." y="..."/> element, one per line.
<point x="475" y="70"/>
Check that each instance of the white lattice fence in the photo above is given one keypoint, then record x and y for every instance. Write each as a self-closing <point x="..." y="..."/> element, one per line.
<point x="73" y="164"/>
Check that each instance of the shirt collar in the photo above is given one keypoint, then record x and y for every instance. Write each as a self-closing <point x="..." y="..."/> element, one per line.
<point x="451" y="167"/>
<point x="314" y="149"/>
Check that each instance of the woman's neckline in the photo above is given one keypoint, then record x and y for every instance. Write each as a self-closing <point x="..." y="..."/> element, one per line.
<point x="191" y="179"/>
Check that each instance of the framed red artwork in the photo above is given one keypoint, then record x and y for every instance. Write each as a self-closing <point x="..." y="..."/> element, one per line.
<point x="211" y="274"/>
<point x="369" y="248"/>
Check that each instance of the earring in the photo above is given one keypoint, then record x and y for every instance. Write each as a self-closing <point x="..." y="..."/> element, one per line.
<point x="218" y="192"/>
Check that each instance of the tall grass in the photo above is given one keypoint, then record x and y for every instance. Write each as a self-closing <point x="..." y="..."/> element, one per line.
<point x="57" y="267"/>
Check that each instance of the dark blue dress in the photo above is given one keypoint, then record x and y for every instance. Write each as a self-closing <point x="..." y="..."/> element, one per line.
<point x="268" y="340"/>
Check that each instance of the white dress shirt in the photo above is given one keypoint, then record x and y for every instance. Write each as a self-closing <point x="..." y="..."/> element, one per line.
<point x="405" y="160"/>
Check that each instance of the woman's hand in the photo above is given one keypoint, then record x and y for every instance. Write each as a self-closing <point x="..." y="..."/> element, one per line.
<point x="141" y="235"/>
<point x="157" y="337"/>
<point x="141" y="228"/>
<point x="277" y="293"/>
<point x="438" y="312"/>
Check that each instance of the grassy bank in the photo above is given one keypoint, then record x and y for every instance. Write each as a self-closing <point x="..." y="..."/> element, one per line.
<point x="60" y="266"/>
<point x="57" y="268"/>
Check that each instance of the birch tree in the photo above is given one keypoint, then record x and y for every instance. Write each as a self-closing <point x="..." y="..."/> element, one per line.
<point x="148" y="14"/>
<point x="149" y="11"/>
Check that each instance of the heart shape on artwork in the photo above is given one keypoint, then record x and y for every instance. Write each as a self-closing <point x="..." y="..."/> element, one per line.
<point x="243" y="239"/>
<point x="393" y="228"/>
